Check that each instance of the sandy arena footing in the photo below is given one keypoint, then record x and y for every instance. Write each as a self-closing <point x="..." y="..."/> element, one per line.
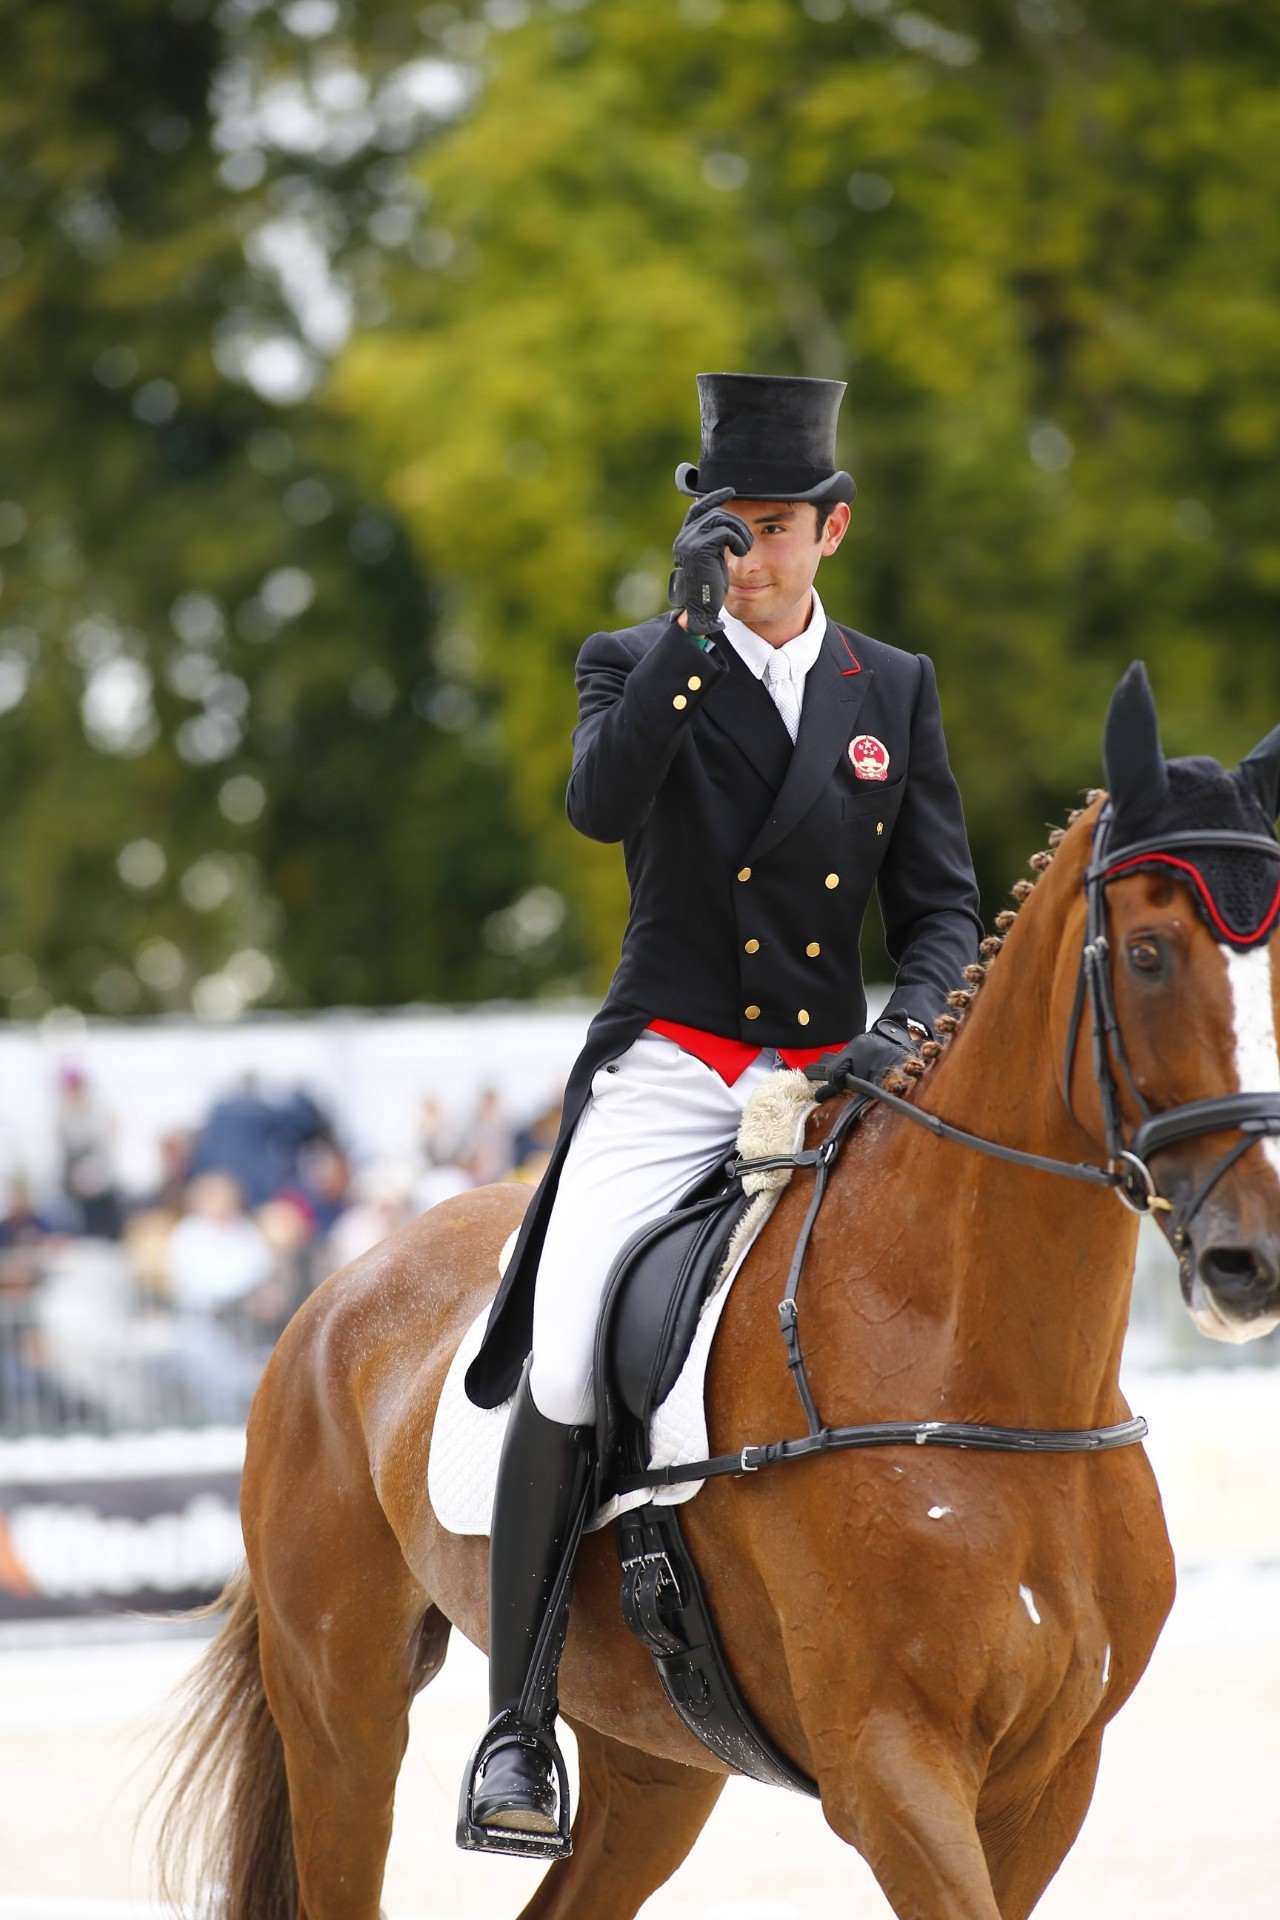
<point x="1183" y="1823"/>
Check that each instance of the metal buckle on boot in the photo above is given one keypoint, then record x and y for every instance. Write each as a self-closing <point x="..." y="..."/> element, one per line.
<point x="472" y="1838"/>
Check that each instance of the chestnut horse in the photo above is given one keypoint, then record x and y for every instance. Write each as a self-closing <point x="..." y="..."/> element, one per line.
<point x="938" y="1639"/>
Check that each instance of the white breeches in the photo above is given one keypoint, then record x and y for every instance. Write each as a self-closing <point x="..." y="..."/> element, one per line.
<point x="655" y="1121"/>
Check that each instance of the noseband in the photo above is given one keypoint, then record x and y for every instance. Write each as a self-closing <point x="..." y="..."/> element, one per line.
<point x="1251" y="1115"/>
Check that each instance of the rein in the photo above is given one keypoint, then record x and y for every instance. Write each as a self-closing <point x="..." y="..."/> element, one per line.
<point x="1127" y="1174"/>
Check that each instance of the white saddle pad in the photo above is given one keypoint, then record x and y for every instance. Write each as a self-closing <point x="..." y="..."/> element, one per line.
<point x="462" y="1467"/>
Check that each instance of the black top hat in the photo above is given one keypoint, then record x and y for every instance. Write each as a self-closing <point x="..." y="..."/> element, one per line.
<point x="768" y="437"/>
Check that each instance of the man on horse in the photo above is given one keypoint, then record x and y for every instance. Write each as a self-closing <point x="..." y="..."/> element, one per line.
<point x="765" y="769"/>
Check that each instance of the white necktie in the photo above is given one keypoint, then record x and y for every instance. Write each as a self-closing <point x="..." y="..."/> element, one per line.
<point x="782" y="689"/>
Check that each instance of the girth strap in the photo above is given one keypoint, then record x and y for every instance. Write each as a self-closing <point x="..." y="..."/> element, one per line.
<point x="664" y="1605"/>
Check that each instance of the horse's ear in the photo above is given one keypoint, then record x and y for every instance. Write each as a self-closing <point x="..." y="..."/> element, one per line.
<point x="1260" y="772"/>
<point x="1137" y="777"/>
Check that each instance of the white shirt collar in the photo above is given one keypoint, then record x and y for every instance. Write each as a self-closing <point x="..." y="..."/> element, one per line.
<point x="757" y="653"/>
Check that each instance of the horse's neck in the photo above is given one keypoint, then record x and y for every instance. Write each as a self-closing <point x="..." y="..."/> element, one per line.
<point x="1031" y="1273"/>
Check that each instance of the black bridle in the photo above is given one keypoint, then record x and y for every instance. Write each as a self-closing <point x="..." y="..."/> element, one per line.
<point x="1252" y="1115"/>
<point x="1127" y="1173"/>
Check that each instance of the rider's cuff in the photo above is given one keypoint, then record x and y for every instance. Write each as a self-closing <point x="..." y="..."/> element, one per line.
<point x="917" y="1028"/>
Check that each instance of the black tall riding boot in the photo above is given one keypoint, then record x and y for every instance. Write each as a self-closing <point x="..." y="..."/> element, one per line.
<point x="542" y="1483"/>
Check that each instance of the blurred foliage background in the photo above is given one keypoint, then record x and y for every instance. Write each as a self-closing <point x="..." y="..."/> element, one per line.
<point x="346" y="352"/>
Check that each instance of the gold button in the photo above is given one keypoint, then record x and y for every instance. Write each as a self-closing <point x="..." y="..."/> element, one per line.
<point x="803" y="1017"/>
<point x="813" y="949"/>
<point x="752" y="1013"/>
<point x="744" y="873"/>
<point x="752" y="946"/>
<point x="695" y="682"/>
<point x="879" y="826"/>
<point x="679" y="703"/>
<point x="833" y="880"/>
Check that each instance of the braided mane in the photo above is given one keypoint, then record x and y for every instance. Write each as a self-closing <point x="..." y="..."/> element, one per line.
<point x="960" y="999"/>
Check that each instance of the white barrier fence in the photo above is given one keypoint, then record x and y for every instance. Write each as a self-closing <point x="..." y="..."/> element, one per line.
<point x="84" y="1348"/>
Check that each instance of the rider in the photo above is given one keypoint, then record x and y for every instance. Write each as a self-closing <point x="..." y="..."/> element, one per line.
<point x="764" y="769"/>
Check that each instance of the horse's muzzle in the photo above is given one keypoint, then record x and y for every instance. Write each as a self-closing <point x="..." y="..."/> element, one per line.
<point x="1232" y="1288"/>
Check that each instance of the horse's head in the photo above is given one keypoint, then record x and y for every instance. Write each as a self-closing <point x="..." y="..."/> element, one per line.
<point x="1186" y="893"/>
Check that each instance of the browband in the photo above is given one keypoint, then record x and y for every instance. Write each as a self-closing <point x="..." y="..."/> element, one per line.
<point x="1150" y="853"/>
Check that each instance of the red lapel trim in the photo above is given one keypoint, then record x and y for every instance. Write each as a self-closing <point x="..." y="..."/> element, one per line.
<point x="857" y="664"/>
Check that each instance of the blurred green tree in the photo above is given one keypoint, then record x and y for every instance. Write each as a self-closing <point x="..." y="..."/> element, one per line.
<point x="1039" y="242"/>
<point x="236" y="765"/>
<point x="286" y="660"/>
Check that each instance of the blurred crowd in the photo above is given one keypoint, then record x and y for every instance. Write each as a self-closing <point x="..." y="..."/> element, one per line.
<point x="122" y="1309"/>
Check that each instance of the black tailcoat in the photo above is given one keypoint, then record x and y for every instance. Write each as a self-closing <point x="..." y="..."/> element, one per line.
<point x="751" y="865"/>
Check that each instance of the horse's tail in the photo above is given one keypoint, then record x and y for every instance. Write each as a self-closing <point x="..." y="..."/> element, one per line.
<point x="226" y="1794"/>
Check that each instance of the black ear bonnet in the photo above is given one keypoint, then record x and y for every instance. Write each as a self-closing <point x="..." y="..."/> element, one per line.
<point x="1235" y="889"/>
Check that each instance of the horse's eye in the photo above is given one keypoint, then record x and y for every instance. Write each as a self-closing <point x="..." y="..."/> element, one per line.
<point x="1145" y="956"/>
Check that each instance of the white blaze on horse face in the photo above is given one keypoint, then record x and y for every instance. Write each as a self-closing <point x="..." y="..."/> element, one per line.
<point x="1250" y="977"/>
<point x="936" y="1513"/>
<point x="1029" y="1602"/>
<point x="1106" y="1667"/>
<point x="1254" y="1016"/>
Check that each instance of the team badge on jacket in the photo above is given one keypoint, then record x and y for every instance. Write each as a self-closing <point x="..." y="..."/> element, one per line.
<point x="870" y="757"/>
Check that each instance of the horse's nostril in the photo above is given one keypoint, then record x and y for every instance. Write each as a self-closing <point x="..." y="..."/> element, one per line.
<point x="1237" y="1272"/>
<point x="1233" y="1263"/>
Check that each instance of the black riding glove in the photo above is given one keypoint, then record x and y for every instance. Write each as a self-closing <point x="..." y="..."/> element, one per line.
<point x="700" y="579"/>
<point x="871" y="1056"/>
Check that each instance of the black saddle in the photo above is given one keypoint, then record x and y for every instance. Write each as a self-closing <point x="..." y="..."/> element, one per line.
<point x="653" y="1298"/>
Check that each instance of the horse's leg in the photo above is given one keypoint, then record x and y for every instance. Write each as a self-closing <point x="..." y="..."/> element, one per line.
<point x="347" y="1637"/>
<point x="637" y="1819"/>
<point x="342" y="1705"/>
<point x="1024" y="1857"/>
<point x="909" y="1809"/>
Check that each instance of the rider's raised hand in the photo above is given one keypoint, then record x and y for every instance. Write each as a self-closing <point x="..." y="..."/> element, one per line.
<point x="700" y="578"/>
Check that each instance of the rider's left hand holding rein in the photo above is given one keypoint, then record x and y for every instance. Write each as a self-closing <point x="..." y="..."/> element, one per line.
<point x="872" y="1055"/>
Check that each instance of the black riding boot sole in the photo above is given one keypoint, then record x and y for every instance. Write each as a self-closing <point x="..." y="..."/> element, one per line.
<point x="516" y="1820"/>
